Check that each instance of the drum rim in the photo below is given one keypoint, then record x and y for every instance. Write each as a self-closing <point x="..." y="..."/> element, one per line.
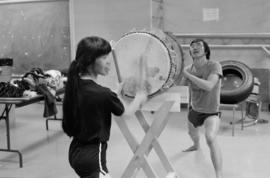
<point x="167" y="84"/>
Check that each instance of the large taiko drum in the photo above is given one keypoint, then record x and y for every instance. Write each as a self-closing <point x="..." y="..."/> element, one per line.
<point x="163" y="55"/>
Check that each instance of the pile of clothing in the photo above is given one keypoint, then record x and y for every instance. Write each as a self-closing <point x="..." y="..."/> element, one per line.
<point x="33" y="83"/>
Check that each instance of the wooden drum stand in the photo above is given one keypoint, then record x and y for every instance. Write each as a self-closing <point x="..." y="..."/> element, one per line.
<point x="150" y="140"/>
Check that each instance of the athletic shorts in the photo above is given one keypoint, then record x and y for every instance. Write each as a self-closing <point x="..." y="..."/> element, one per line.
<point x="197" y="118"/>
<point x="88" y="160"/>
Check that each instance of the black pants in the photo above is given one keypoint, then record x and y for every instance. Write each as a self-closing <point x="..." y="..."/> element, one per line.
<point x="198" y="118"/>
<point x="88" y="160"/>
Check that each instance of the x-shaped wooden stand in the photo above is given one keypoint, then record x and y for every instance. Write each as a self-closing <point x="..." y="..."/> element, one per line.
<point x="142" y="150"/>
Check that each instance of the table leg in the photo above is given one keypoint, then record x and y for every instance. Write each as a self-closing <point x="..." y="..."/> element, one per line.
<point x="242" y="117"/>
<point x="51" y="119"/>
<point x="233" y="123"/>
<point x="5" y="115"/>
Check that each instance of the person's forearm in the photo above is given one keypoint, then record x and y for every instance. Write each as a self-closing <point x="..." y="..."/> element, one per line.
<point x="201" y="83"/>
<point x="132" y="107"/>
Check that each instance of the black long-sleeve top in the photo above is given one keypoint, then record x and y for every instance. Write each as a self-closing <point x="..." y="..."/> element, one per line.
<point x="97" y="103"/>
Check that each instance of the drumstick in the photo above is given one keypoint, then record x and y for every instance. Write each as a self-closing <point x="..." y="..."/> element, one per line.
<point x="143" y="72"/>
<point x="116" y="67"/>
<point x="140" y="79"/>
<point x="143" y="66"/>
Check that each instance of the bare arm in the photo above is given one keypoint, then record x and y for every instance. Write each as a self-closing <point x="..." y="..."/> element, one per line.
<point x="184" y="81"/>
<point x="207" y="85"/>
<point x="135" y="104"/>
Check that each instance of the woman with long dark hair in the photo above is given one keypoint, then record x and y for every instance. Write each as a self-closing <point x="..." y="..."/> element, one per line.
<point x="88" y="106"/>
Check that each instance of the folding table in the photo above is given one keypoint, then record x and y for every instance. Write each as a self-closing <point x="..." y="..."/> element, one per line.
<point x="18" y="102"/>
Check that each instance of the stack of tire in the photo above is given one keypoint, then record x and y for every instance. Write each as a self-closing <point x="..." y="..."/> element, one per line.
<point x="237" y="82"/>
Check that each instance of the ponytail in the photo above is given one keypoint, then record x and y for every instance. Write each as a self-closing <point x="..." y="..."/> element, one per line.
<point x="71" y="122"/>
<point x="88" y="50"/>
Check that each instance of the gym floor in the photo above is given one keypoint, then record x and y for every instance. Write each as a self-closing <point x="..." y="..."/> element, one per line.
<point x="245" y="155"/>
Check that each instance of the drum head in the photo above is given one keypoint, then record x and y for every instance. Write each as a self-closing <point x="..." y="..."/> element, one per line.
<point x="130" y="48"/>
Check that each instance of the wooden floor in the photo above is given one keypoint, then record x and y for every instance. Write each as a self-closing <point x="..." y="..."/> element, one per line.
<point x="246" y="155"/>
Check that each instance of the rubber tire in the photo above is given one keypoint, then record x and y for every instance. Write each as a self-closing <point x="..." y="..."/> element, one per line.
<point x="239" y="94"/>
<point x="6" y="62"/>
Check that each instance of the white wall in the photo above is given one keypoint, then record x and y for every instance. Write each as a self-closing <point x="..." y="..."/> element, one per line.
<point x="110" y="18"/>
<point x="241" y="16"/>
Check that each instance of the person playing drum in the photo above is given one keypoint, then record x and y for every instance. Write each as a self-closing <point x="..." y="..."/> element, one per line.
<point x="87" y="108"/>
<point x="204" y="80"/>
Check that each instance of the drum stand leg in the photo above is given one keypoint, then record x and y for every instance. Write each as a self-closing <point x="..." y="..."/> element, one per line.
<point x="142" y="150"/>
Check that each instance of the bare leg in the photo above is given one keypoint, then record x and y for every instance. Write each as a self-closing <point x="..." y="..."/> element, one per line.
<point x="194" y="135"/>
<point x="211" y="129"/>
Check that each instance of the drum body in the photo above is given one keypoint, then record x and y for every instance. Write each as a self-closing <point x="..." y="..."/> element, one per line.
<point x="163" y="55"/>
